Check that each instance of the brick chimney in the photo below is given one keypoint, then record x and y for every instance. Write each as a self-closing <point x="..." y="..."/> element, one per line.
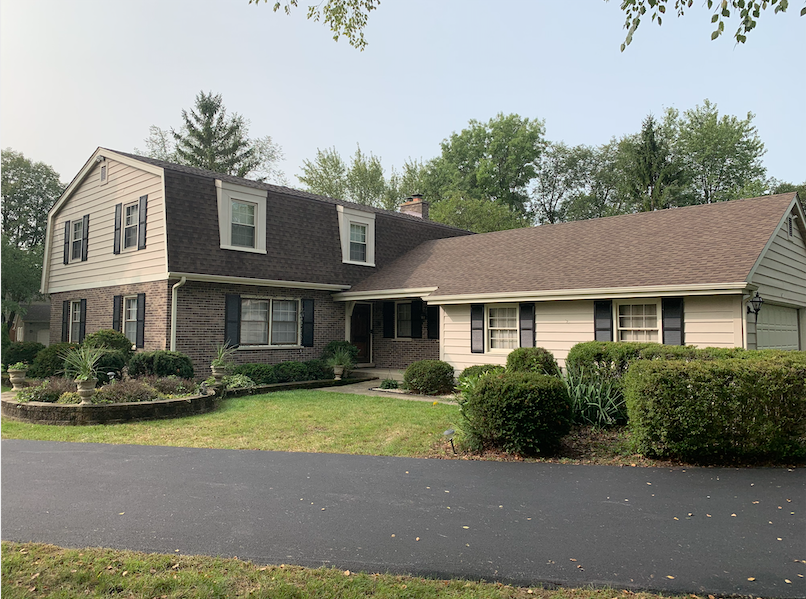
<point x="415" y="206"/>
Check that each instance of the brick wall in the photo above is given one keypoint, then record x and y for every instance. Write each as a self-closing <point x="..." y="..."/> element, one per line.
<point x="399" y="353"/>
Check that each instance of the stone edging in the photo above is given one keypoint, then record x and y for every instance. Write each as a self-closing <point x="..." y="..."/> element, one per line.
<point x="296" y="385"/>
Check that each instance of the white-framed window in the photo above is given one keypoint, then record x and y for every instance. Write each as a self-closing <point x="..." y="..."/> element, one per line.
<point x="131" y="222"/>
<point x="357" y="235"/>
<point x="403" y="320"/>
<point x="76" y="239"/>
<point x="130" y="318"/>
<point x="75" y="322"/>
<point x="502" y="327"/>
<point x="358" y="242"/>
<point x="270" y="322"/>
<point x="241" y="217"/>
<point x="638" y="322"/>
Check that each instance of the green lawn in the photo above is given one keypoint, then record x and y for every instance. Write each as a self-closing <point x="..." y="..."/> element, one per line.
<point x="37" y="570"/>
<point x="304" y="420"/>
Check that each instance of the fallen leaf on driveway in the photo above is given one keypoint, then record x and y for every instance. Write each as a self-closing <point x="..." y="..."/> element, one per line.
<point x="751" y="579"/>
<point x="670" y="577"/>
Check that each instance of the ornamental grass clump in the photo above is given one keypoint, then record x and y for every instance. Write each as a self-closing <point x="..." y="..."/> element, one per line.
<point x="596" y="401"/>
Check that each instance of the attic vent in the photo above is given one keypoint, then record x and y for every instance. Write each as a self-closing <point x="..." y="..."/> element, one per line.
<point x="103" y="173"/>
<point x="789" y="226"/>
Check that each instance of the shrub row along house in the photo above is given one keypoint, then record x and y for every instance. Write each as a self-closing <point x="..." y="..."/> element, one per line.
<point x="182" y="258"/>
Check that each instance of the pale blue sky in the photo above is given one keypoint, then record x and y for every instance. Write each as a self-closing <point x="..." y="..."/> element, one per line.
<point x="86" y="73"/>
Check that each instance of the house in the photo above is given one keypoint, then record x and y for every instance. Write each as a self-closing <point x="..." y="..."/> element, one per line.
<point x="182" y="258"/>
<point x="34" y="325"/>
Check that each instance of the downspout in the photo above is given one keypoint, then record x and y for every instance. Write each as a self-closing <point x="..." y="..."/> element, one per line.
<point x="174" y="310"/>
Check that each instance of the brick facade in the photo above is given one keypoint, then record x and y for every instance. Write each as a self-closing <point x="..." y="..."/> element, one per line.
<point x="399" y="353"/>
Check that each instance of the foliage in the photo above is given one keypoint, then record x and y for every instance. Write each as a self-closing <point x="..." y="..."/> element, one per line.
<point x="595" y="401"/>
<point x="29" y="189"/>
<point x="49" y="361"/>
<point x="81" y="363"/>
<point x="719" y="410"/>
<point x="561" y="172"/>
<point x="318" y="370"/>
<point x="261" y="374"/>
<point x="141" y="363"/>
<point x="17" y="366"/>
<point x="532" y="359"/>
<point x="111" y="360"/>
<point x="288" y="372"/>
<point x="326" y="175"/>
<point x="389" y="384"/>
<point x="747" y="11"/>
<point x="20" y="277"/>
<point x="479" y="369"/>
<point x="128" y="391"/>
<point x="5" y="339"/>
<point x="341" y="356"/>
<point x="71" y="397"/>
<point x="518" y="412"/>
<point x="111" y="339"/>
<point x="22" y="351"/>
<point x="331" y="348"/>
<point x="237" y="381"/>
<point x="170" y="385"/>
<point x="479" y="215"/>
<point x="48" y="390"/>
<point x="223" y="356"/>
<point x="161" y="363"/>
<point x="429" y="377"/>
<point x="212" y="139"/>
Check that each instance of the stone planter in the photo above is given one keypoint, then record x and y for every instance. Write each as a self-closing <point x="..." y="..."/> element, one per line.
<point x="219" y="372"/>
<point x="17" y="378"/>
<point x="338" y="371"/>
<point x="86" y="389"/>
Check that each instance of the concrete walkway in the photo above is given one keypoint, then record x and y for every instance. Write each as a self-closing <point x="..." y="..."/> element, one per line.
<point x="717" y="531"/>
<point x="371" y="387"/>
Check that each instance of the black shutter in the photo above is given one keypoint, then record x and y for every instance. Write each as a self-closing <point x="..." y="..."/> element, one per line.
<point x="118" y="217"/>
<point x="432" y="316"/>
<point x="232" y="320"/>
<point x="117" y="308"/>
<point x="141" y="229"/>
<point x="85" y="237"/>
<point x="388" y="320"/>
<point x="141" y="320"/>
<point x="477" y="328"/>
<point x="307" y="323"/>
<point x="603" y="320"/>
<point x="416" y="319"/>
<point x="65" y="321"/>
<point x="82" y="326"/>
<point x="673" y="330"/>
<point x="67" y="242"/>
<point x="527" y="325"/>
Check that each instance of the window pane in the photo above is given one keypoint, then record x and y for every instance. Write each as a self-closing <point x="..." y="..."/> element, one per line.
<point x="75" y="321"/>
<point x="131" y="214"/>
<point x="243" y="236"/>
<point x="638" y="322"/>
<point x="130" y="226"/>
<point x="243" y="214"/>
<point x="358" y="252"/>
<point x="358" y="233"/>
<point x="404" y="320"/>
<point x="78" y="230"/>
<point x="284" y="322"/>
<point x="503" y="327"/>
<point x="503" y="339"/>
<point x="254" y="322"/>
<point x="130" y="319"/>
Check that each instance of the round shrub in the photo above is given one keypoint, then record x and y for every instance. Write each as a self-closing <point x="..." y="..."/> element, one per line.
<point x="262" y="374"/>
<point x="532" y="359"/>
<point x="479" y="369"/>
<point x="70" y="397"/>
<point x="172" y="363"/>
<point x="318" y="370"/>
<point x="49" y="362"/>
<point x="111" y="361"/>
<point x="142" y="363"/>
<point x="429" y="377"/>
<point x="287" y="372"/>
<point x="111" y="339"/>
<point x="22" y="351"/>
<point x="518" y="412"/>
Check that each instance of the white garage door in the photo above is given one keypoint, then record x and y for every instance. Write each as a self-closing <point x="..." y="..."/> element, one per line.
<point x="777" y="328"/>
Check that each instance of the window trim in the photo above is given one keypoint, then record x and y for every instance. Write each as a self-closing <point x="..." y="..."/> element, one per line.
<point x="125" y="320"/>
<point x="80" y="241"/>
<point x="74" y="305"/>
<point x="637" y="302"/>
<point x="270" y="319"/>
<point x="351" y="216"/>
<point x="397" y="320"/>
<point x="135" y="226"/>
<point x="226" y="194"/>
<point x="489" y="329"/>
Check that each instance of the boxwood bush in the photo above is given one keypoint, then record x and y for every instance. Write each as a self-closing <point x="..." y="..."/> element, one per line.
<point x="532" y="359"/>
<point x="429" y="377"/>
<point x="261" y="374"/>
<point x="267" y="374"/>
<point x="49" y="362"/>
<point x="518" y="412"/>
<point x="111" y="339"/>
<point x="479" y="369"/>
<point x="161" y="363"/>
<point x="720" y="410"/>
<point x="22" y="351"/>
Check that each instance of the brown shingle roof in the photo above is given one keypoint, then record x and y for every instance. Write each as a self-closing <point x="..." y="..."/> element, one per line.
<point x="697" y="245"/>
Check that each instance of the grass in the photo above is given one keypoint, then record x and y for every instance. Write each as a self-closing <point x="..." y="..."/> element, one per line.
<point x="37" y="570"/>
<point x="303" y="420"/>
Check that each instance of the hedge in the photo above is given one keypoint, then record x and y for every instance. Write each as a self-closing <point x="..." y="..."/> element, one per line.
<point x="722" y="410"/>
<point x="161" y="363"/>
<point x="532" y="359"/>
<point x="21" y="351"/>
<point x="518" y="412"/>
<point x="429" y="377"/>
<point x="285" y="372"/>
<point x="49" y="362"/>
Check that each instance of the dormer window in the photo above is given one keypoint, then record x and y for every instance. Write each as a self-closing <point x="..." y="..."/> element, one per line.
<point x="241" y="217"/>
<point x="243" y="224"/>
<point x="357" y="233"/>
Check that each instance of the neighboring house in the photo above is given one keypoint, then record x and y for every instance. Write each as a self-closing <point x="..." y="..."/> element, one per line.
<point x="182" y="258"/>
<point x="677" y="276"/>
<point x="34" y="325"/>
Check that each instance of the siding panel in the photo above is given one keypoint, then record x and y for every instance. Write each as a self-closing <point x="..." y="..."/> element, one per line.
<point x="781" y="275"/>
<point x="713" y="321"/>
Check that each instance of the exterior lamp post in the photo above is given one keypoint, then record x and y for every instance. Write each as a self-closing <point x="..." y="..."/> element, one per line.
<point x="754" y="307"/>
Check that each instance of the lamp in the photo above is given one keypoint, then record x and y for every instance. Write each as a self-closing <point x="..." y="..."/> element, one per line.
<point x="449" y="434"/>
<point x="754" y="307"/>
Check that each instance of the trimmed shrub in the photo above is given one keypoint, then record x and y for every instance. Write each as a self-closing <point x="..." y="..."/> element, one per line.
<point x="129" y="391"/>
<point x="532" y="359"/>
<point x="518" y="412"/>
<point x="331" y="348"/>
<point x="172" y="363"/>
<point x="114" y="340"/>
<point x="141" y="364"/>
<point x="318" y="370"/>
<point x="429" y="377"/>
<point x="288" y="372"/>
<point x="479" y="369"/>
<point x="48" y="391"/>
<point x="49" y="362"/>
<point x="21" y="351"/>
<point x="111" y="361"/>
<point x="605" y="358"/>
<point x="719" y="410"/>
<point x="261" y="374"/>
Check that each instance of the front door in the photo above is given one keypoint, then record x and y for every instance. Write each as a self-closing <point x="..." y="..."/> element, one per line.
<point x="361" y="332"/>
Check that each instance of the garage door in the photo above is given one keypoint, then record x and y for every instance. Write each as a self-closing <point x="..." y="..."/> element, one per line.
<point x="777" y="328"/>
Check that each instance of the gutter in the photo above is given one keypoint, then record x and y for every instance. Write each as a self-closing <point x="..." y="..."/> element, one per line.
<point x="175" y="309"/>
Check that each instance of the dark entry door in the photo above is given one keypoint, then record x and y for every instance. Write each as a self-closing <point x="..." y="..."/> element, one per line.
<point x="361" y="332"/>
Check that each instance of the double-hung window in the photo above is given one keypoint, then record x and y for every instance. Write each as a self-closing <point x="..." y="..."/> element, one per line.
<point x="403" y="320"/>
<point x="502" y="327"/>
<point x="243" y="224"/>
<point x="638" y="322"/>
<point x="269" y="322"/>
<point x="358" y="242"/>
<point x="242" y="217"/>
<point x="76" y="240"/>
<point x="130" y="318"/>
<point x="357" y="235"/>
<point x="130" y="225"/>
<point x="75" y="322"/>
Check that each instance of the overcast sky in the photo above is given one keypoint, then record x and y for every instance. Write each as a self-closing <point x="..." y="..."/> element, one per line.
<point x="79" y="74"/>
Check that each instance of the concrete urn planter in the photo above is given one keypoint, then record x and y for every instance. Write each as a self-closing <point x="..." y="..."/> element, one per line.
<point x="86" y="389"/>
<point x="338" y="371"/>
<point x="219" y="372"/>
<point x="17" y="378"/>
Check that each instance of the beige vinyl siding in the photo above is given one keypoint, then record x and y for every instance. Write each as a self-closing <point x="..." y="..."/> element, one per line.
<point x="455" y="345"/>
<point x="781" y="274"/>
<point x="713" y="321"/>
<point x="102" y="267"/>
<point x="561" y="325"/>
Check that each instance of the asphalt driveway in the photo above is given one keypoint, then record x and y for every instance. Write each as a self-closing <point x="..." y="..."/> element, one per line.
<point x="678" y="530"/>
